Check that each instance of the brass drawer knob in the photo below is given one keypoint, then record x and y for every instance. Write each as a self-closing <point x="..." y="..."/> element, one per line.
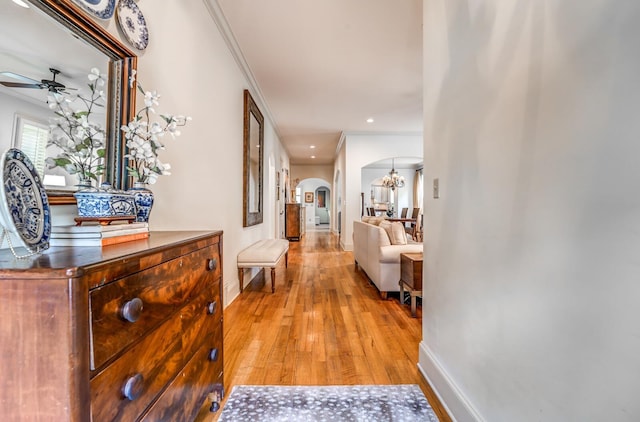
<point x="212" y="264"/>
<point x="132" y="309"/>
<point x="211" y="307"/>
<point x="133" y="386"/>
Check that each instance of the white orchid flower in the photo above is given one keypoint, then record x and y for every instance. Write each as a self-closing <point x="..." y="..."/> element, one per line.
<point x="151" y="98"/>
<point x="142" y="136"/>
<point x="95" y="77"/>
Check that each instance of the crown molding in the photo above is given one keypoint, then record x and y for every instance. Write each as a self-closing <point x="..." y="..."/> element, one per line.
<point x="372" y="133"/>
<point x="229" y="38"/>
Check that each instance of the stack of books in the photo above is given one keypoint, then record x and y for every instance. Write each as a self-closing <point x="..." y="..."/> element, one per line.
<point x="97" y="235"/>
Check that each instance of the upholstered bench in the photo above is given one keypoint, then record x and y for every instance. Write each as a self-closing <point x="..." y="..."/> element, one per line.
<point x="264" y="253"/>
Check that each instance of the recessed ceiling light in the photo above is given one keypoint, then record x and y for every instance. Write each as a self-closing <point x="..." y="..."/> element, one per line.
<point x="312" y="146"/>
<point x="313" y="156"/>
<point x="370" y="120"/>
<point x="21" y="3"/>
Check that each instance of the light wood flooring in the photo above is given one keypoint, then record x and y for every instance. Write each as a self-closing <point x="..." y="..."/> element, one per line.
<point x="324" y="325"/>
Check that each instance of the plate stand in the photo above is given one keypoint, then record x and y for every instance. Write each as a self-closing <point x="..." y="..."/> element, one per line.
<point x="7" y="234"/>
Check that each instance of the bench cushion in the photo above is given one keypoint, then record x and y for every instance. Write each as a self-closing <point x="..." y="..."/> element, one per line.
<point x="264" y="253"/>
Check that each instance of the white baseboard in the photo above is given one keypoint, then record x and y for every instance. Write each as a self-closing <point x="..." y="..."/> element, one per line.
<point x="450" y="396"/>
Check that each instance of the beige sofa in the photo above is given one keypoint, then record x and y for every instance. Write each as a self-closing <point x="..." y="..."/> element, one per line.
<point x="377" y="257"/>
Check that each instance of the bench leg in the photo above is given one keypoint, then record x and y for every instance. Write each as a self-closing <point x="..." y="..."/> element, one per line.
<point x="286" y="259"/>
<point x="241" y="278"/>
<point x="273" y="279"/>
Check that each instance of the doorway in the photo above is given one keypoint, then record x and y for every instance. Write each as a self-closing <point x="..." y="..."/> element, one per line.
<point x="322" y="206"/>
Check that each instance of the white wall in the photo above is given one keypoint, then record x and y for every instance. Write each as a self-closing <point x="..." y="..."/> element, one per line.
<point x="199" y="77"/>
<point x="9" y="107"/>
<point x="360" y="150"/>
<point x="190" y="65"/>
<point x="305" y="171"/>
<point x="531" y="294"/>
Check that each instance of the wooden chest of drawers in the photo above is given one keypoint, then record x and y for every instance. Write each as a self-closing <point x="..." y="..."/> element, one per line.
<point x="127" y="332"/>
<point x="294" y="221"/>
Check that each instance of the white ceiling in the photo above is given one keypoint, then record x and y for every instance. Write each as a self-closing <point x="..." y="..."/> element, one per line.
<point x="325" y="66"/>
<point x="322" y="67"/>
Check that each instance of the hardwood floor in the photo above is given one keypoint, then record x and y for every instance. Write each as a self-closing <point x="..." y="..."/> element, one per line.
<point x="324" y="325"/>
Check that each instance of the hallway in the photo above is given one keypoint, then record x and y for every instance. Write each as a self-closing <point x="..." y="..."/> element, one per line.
<point x="324" y="325"/>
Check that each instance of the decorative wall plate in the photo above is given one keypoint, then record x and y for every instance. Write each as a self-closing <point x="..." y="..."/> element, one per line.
<point x="24" y="205"/>
<point x="132" y="23"/>
<point x="102" y="9"/>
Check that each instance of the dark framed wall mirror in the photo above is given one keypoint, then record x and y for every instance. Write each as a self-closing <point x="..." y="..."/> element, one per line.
<point x="58" y="34"/>
<point x="252" y="162"/>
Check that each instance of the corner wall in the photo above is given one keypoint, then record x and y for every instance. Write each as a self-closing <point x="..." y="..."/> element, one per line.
<point x="531" y="253"/>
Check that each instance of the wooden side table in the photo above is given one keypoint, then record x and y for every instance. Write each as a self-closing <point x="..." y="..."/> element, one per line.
<point x="411" y="277"/>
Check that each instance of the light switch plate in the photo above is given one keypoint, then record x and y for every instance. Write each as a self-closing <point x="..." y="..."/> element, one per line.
<point x="436" y="188"/>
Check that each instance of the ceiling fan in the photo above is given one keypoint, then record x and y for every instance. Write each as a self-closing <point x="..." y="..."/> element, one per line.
<point x="50" y="84"/>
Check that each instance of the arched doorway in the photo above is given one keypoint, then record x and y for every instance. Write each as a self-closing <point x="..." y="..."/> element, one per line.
<point x="383" y="199"/>
<point x="315" y="196"/>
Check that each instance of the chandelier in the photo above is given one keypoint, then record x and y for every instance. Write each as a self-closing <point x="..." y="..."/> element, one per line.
<point x="393" y="180"/>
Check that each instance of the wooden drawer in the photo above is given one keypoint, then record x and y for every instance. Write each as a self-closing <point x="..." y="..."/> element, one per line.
<point x="411" y="269"/>
<point x="199" y="324"/>
<point x="191" y="387"/>
<point x="158" y="358"/>
<point x="161" y="290"/>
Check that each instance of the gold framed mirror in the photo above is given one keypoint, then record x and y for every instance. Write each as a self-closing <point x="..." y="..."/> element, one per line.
<point x="73" y="24"/>
<point x="252" y="162"/>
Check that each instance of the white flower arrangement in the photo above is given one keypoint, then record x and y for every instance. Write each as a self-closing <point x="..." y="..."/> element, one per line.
<point x="81" y="140"/>
<point x="143" y="138"/>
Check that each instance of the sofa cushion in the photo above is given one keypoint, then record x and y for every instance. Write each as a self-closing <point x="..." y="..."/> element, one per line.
<point x="375" y="220"/>
<point x="395" y="231"/>
<point x="391" y="253"/>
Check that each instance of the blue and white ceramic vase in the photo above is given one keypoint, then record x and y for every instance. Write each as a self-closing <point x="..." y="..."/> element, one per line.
<point x="144" y="200"/>
<point x="104" y="202"/>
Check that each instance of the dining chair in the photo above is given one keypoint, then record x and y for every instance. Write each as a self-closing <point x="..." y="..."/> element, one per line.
<point x="417" y="229"/>
<point x="414" y="215"/>
<point x="403" y="213"/>
<point x="372" y="211"/>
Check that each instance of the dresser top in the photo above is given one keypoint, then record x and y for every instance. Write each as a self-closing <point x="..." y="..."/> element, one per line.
<point x="70" y="261"/>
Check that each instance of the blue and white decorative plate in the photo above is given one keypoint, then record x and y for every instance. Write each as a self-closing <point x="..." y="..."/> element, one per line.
<point x="132" y="24"/>
<point x="24" y="207"/>
<point x="102" y="9"/>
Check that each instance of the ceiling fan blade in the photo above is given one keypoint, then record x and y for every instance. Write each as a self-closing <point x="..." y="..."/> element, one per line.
<point x="20" y="85"/>
<point x="20" y="77"/>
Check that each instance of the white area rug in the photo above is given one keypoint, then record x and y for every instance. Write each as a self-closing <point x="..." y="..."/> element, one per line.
<point x="397" y="403"/>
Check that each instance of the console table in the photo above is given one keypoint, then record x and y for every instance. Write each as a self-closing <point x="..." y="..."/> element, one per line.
<point x="126" y="332"/>
<point x="411" y="277"/>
